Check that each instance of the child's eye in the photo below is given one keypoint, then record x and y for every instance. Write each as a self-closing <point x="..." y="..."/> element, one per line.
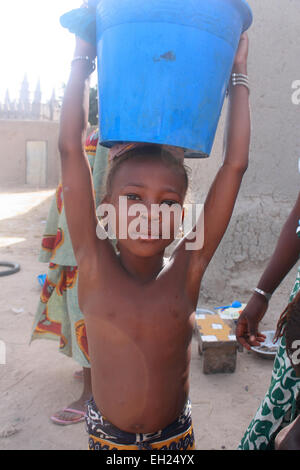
<point x="133" y="197"/>
<point x="169" y="202"/>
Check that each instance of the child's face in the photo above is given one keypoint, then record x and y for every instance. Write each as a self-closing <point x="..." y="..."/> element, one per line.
<point x="148" y="182"/>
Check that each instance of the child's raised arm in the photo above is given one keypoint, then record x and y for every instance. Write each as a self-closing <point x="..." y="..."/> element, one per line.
<point x="222" y="195"/>
<point x="77" y="183"/>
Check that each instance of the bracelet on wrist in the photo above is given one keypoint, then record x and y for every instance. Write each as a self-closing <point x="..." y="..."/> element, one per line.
<point x="263" y="293"/>
<point x="239" y="79"/>
<point x="91" y="63"/>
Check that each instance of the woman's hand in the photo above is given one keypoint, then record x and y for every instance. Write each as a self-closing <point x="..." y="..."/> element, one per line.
<point x="247" y="327"/>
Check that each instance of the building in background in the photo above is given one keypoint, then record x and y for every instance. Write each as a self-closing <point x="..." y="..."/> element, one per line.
<point x="27" y="109"/>
<point x="28" y="135"/>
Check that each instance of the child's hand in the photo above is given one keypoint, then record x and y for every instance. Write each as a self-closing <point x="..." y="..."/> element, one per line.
<point x="83" y="47"/>
<point x="242" y="52"/>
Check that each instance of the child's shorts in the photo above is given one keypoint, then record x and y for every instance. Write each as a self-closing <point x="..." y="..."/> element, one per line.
<point x="105" y="436"/>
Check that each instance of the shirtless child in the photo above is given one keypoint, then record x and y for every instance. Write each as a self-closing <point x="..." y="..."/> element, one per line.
<point x="139" y="313"/>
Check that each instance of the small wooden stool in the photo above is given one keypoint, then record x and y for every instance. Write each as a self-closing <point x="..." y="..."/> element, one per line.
<point x="217" y="343"/>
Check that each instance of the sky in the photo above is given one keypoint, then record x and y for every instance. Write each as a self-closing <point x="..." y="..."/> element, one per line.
<point x="33" y="42"/>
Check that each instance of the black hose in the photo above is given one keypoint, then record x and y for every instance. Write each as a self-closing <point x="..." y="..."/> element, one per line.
<point x="14" y="268"/>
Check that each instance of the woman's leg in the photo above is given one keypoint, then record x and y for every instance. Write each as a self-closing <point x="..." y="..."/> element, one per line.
<point x="74" y="413"/>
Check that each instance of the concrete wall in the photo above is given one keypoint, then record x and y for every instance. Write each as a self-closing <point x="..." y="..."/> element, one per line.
<point x="271" y="184"/>
<point x="14" y="136"/>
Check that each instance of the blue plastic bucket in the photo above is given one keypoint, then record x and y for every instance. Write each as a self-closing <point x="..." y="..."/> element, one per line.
<point x="164" y="67"/>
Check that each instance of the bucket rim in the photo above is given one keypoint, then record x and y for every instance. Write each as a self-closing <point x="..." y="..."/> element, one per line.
<point x="247" y="13"/>
<point x="242" y="5"/>
<point x="188" y="153"/>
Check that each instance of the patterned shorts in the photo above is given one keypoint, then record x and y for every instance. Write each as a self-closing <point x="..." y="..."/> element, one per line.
<point x="103" y="435"/>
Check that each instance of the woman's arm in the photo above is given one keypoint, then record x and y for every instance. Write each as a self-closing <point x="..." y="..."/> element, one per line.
<point x="286" y="253"/>
<point x="77" y="183"/>
<point x="285" y="256"/>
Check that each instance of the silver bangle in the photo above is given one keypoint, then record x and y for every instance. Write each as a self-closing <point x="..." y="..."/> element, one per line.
<point x="263" y="293"/>
<point x="240" y="75"/>
<point x="92" y="63"/>
<point x="240" y="79"/>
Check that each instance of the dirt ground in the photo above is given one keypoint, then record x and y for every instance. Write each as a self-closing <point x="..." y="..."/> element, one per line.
<point x="37" y="380"/>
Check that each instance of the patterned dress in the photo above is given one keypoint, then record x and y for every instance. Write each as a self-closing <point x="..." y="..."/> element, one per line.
<point x="58" y="314"/>
<point x="278" y="407"/>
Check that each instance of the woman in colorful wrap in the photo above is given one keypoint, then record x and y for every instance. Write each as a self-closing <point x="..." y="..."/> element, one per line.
<point x="278" y="407"/>
<point x="58" y="315"/>
<point x="289" y="325"/>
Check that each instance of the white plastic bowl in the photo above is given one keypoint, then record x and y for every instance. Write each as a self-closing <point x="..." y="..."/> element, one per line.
<point x="268" y="343"/>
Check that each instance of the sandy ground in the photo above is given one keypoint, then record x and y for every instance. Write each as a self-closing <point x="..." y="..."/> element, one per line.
<point x="37" y="380"/>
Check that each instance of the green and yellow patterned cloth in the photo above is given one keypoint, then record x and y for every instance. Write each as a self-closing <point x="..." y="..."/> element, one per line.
<point x="58" y="314"/>
<point x="278" y="407"/>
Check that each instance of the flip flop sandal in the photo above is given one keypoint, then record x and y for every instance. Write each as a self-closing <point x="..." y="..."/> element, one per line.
<point x="63" y="422"/>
